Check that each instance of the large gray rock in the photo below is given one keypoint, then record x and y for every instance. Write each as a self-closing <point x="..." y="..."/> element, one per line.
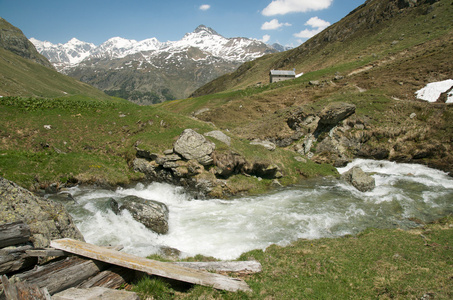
<point x="47" y="220"/>
<point x="359" y="179"/>
<point x="336" y="112"/>
<point x="152" y="214"/>
<point x="192" y="145"/>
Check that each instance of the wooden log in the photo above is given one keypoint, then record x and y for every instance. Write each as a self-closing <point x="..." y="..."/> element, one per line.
<point x="152" y="267"/>
<point x="14" y="233"/>
<point x="48" y="252"/>
<point x="15" y="259"/>
<point x="112" y="278"/>
<point x="62" y="274"/>
<point x="224" y="266"/>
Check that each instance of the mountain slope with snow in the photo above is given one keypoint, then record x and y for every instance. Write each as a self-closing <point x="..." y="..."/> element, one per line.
<point x="151" y="71"/>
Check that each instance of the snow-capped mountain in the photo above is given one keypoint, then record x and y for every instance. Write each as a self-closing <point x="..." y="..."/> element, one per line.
<point x="149" y="70"/>
<point x="64" y="55"/>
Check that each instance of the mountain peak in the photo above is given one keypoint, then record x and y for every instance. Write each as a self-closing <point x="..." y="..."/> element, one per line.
<point x="203" y="28"/>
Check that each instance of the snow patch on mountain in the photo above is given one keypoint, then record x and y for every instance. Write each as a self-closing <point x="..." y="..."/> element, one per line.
<point x="432" y="91"/>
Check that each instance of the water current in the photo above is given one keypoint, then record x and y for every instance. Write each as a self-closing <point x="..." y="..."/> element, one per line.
<point x="225" y="229"/>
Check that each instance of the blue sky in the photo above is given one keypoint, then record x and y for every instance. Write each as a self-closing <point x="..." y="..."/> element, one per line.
<point x="288" y="22"/>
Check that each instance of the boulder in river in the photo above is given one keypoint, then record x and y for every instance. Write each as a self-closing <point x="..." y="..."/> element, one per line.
<point x="152" y="214"/>
<point x="359" y="179"/>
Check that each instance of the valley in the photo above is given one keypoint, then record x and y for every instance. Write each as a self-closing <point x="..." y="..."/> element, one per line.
<point x="279" y="149"/>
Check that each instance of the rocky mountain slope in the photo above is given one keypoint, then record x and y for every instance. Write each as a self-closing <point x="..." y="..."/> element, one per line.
<point x="12" y="39"/>
<point x="150" y="71"/>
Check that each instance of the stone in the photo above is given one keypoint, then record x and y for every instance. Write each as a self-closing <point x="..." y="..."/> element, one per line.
<point x="314" y="82"/>
<point x="168" y="152"/>
<point x="47" y="219"/>
<point x="192" y="145"/>
<point x="152" y="214"/>
<point x="266" y="144"/>
<point x="219" y="135"/>
<point x="228" y="163"/>
<point x="359" y="179"/>
<point x="336" y="112"/>
<point x="300" y="159"/>
<point x="146" y="154"/>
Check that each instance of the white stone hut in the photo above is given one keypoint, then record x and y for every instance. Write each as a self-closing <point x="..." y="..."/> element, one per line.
<point x="281" y="75"/>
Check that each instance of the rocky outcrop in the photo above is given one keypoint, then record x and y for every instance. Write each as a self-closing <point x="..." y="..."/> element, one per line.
<point x="194" y="164"/>
<point x="192" y="145"/>
<point x="331" y="115"/>
<point x="359" y="179"/>
<point x="47" y="220"/>
<point x="152" y="214"/>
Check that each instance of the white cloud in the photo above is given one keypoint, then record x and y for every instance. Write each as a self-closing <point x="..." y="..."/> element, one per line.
<point x="205" y="7"/>
<point x="317" y="24"/>
<point x="273" y="24"/>
<point x="282" y="7"/>
<point x="265" y="38"/>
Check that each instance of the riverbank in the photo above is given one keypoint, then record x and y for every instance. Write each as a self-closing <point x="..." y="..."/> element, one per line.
<point x="376" y="264"/>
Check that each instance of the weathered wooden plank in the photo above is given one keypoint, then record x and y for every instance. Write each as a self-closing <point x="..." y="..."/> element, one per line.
<point x="62" y="274"/>
<point x="151" y="266"/>
<point x="51" y="252"/>
<point x="224" y="266"/>
<point x="14" y="233"/>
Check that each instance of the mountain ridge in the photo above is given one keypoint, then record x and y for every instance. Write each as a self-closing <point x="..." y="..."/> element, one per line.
<point x="150" y="71"/>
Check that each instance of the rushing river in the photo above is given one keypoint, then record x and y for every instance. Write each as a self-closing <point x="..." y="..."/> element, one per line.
<point x="227" y="228"/>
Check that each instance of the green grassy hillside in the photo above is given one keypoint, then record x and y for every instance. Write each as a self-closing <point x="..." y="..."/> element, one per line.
<point x="23" y="77"/>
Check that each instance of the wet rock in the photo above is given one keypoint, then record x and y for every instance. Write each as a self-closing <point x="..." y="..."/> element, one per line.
<point x="192" y="145"/>
<point x="152" y="214"/>
<point x="359" y="179"/>
<point x="114" y="206"/>
<point x="47" y="220"/>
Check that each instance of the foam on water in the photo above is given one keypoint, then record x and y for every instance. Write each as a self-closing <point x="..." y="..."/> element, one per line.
<point x="227" y="228"/>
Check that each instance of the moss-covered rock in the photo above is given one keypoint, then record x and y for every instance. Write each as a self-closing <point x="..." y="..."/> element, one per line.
<point x="47" y="220"/>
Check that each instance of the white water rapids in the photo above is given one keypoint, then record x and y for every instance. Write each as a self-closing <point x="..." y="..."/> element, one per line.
<point x="227" y="228"/>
